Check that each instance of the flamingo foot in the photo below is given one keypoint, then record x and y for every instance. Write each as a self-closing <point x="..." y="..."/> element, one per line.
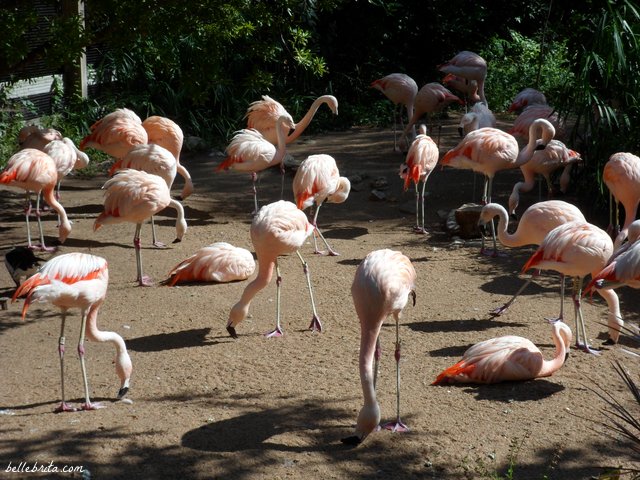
<point x="145" y="281"/>
<point x="275" y="333"/>
<point x="232" y="331"/>
<point x="496" y="312"/>
<point x="65" y="407"/>
<point x="91" y="406"/>
<point x="42" y="248"/>
<point x="122" y="392"/>
<point x="396" y="426"/>
<point x="420" y="230"/>
<point x="493" y="253"/>
<point x="159" y="244"/>
<point x="586" y="348"/>
<point x="330" y="253"/>
<point x="315" y="325"/>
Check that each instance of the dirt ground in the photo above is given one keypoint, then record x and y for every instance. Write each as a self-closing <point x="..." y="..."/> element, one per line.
<point x="207" y="406"/>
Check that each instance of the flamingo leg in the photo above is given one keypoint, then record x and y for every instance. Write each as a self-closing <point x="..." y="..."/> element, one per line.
<point x="580" y="326"/>
<point x="330" y="251"/>
<point x="63" y="407"/>
<point x="424" y="184"/>
<point x="27" y="213"/>
<point x="315" y="324"/>
<point x="500" y="310"/>
<point x="561" y="316"/>
<point x="155" y="241"/>
<point x="254" y="177"/>
<point x="277" y="332"/>
<point x="397" y="426"/>
<point x="43" y="247"/>
<point x="143" y="280"/>
<point x="282" y="179"/>
<point x="83" y="328"/>
<point x="57" y="197"/>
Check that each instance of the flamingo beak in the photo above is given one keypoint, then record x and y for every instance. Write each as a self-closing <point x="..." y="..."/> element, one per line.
<point x="177" y="240"/>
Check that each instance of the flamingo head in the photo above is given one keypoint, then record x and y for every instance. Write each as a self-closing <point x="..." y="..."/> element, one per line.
<point x="123" y="370"/>
<point x="342" y="192"/>
<point x="368" y="420"/>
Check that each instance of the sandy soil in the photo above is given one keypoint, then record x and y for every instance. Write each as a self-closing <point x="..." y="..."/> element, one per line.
<point x="207" y="406"/>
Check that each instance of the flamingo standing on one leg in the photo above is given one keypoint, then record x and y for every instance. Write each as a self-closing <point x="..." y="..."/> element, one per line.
<point x="35" y="171"/>
<point x="536" y="222"/>
<point x="401" y="89"/>
<point x="318" y="180"/>
<point x="420" y="162"/>
<point x="218" y="262"/>
<point x="486" y="150"/>
<point x="134" y="196"/>
<point x="545" y="156"/>
<point x="250" y="151"/>
<point x="621" y="174"/>
<point x="77" y="280"/>
<point x="508" y="358"/>
<point x="262" y="115"/>
<point x="577" y="249"/>
<point x="278" y="229"/>
<point x="470" y="66"/>
<point x="381" y="287"/>
<point x="168" y="134"/>
<point x="431" y="98"/>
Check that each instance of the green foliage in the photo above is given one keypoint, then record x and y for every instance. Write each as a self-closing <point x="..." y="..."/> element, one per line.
<point x="516" y="62"/>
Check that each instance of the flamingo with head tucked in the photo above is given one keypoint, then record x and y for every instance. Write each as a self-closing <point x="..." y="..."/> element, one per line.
<point x="526" y="97"/>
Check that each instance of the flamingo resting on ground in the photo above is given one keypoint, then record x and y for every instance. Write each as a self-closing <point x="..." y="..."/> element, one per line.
<point x="77" y="280"/>
<point x="508" y="358"/>
<point x="422" y="158"/>
<point x="470" y="66"/>
<point x="536" y="222"/>
<point x="381" y="287"/>
<point x="35" y="171"/>
<point x="134" y="196"/>
<point x="577" y="249"/>
<point x="317" y="181"/>
<point x="545" y="156"/>
<point x="401" y="89"/>
<point x="219" y="262"/>
<point x="278" y="229"/>
<point x="621" y="174"/>
<point x="262" y="115"/>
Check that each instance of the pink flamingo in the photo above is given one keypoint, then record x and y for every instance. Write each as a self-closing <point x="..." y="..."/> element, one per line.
<point x="219" y="262"/>
<point x="621" y="175"/>
<point x="577" y="249"/>
<point x="469" y="88"/>
<point x="133" y="196"/>
<point x="154" y="159"/>
<point x="522" y="123"/>
<point x="508" y="358"/>
<point x="420" y="162"/>
<point x="545" y="156"/>
<point x="381" y="287"/>
<point x="623" y="270"/>
<point x="250" y="151"/>
<point x="486" y="150"/>
<point x="168" y="134"/>
<point x="479" y="117"/>
<point x="431" y="98"/>
<point x="116" y="133"/>
<point x="526" y="97"/>
<point x="470" y="66"/>
<point x="77" y="280"/>
<point x="536" y="222"/>
<point x="66" y="156"/>
<point x="278" y="229"/>
<point x="401" y="89"/>
<point x="35" y="171"/>
<point x="33" y="136"/>
<point x="317" y="181"/>
<point x="262" y="115"/>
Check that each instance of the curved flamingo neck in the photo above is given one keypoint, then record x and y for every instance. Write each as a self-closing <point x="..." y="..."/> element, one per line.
<point x="553" y="365"/>
<point x="304" y="122"/>
<point x="240" y="310"/>
<point x="281" y="147"/>
<point x="103" y="336"/>
<point x="181" y="223"/>
<point x="65" y="225"/>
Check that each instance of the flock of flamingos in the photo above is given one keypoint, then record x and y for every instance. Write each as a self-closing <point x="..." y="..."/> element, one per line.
<point x="147" y="160"/>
